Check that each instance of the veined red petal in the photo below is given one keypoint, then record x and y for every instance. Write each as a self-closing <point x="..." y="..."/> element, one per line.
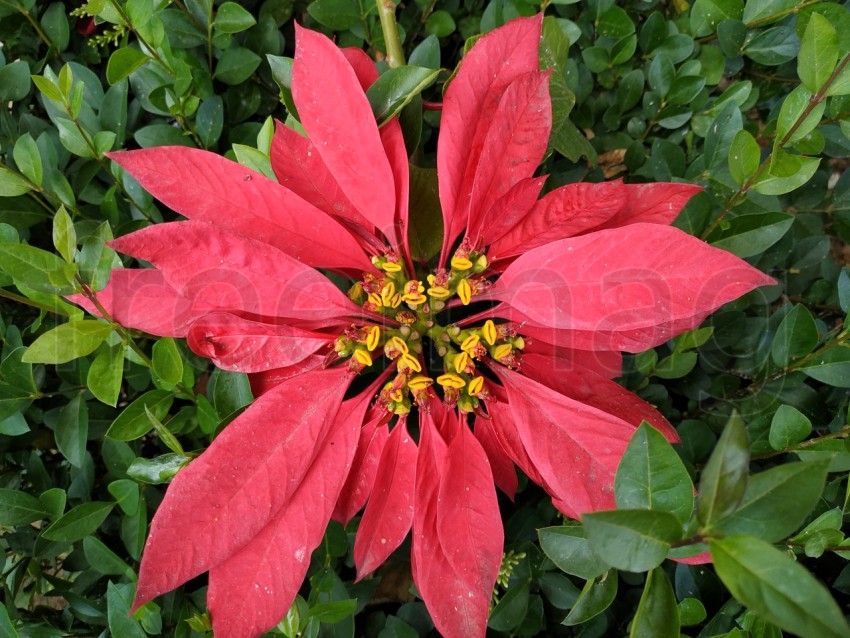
<point x="504" y="214"/>
<point x="627" y="288"/>
<point x="606" y="363"/>
<point x="262" y="382"/>
<point x="240" y="344"/>
<point x="210" y="510"/>
<point x="141" y="299"/>
<point x="336" y="115"/>
<point x="364" y="468"/>
<point x="463" y="528"/>
<point x="584" y="385"/>
<point x="209" y="188"/>
<point x="251" y="591"/>
<point x="232" y="272"/>
<point x="574" y="447"/>
<point x="389" y="513"/>
<point x="506" y="149"/>
<point x="496" y="60"/>
<point x="504" y="474"/>
<point x="299" y="167"/>
<point x="576" y="209"/>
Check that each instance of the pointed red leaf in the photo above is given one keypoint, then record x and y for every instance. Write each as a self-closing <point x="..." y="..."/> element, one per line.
<point x="573" y="446"/>
<point x="251" y="591"/>
<point x="222" y="499"/>
<point x="496" y="60"/>
<point x="576" y="209"/>
<point x="364" y="468"/>
<point x="209" y="188"/>
<point x="262" y="382"/>
<point x="389" y="513"/>
<point x="231" y="272"/>
<point x="239" y="344"/>
<point x="140" y="298"/>
<point x="460" y="534"/>
<point x="504" y="474"/>
<point x="506" y="149"/>
<point x="627" y="288"/>
<point x="584" y="385"/>
<point x="299" y="167"/>
<point x="606" y="363"/>
<point x="363" y="66"/>
<point x="505" y="213"/>
<point x="336" y="115"/>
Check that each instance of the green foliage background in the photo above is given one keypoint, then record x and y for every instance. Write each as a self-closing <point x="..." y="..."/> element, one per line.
<point x="749" y="98"/>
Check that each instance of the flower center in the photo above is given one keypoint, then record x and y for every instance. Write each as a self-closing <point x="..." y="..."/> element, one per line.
<point x="424" y="352"/>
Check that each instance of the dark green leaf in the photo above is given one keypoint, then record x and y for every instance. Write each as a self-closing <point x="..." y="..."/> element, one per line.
<point x="14" y="81"/>
<point x="777" y="501"/>
<point x="167" y="362"/>
<point x="79" y="522"/>
<point x="236" y="65"/>
<point x="818" y="53"/>
<point x="158" y="470"/>
<point x="122" y="63"/>
<point x="103" y="560"/>
<point x="37" y="269"/>
<point x="232" y="18"/>
<point x="796" y="336"/>
<point x="395" y="88"/>
<point x="831" y="367"/>
<point x="133" y="422"/>
<point x="338" y="15"/>
<point x="657" y="614"/>
<point x="105" y="374"/>
<point x="748" y="235"/>
<point x="230" y="391"/>
<point x="789" y="427"/>
<point x="569" y="550"/>
<point x="596" y="596"/>
<point x="652" y="476"/>
<point x="28" y="158"/>
<point x="777" y="588"/>
<point x="425" y="232"/>
<point x="72" y="429"/>
<point x="68" y="341"/>
<point x="126" y="494"/>
<point x="632" y="540"/>
<point x="724" y="479"/>
<point x="19" y="508"/>
<point x="12" y="184"/>
<point x="121" y="623"/>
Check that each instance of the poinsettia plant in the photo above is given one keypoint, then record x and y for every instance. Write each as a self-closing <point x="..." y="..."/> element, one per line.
<point x="415" y="389"/>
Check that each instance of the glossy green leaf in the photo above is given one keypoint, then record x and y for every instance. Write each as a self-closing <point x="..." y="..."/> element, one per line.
<point x="795" y="337"/>
<point x="126" y="494"/>
<point x="121" y="623"/>
<point x="133" y="422"/>
<point x="651" y="475"/>
<point x="788" y="427"/>
<point x="19" y="508"/>
<point x="395" y="89"/>
<point x="28" y="158"/>
<point x="64" y="235"/>
<point x="158" y="470"/>
<point x="103" y="560"/>
<point x="79" y="522"/>
<point x="68" y="341"/>
<point x="230" y="17"/>
<point x="596" y="596"/>
<point x="744" y="156"/>
<point x="440" y="24"/>
<point x="707" y="14"/>
<point x="777" y="501"/>
<point x="14" y="81"/>
<point x="425" y="232"/>
<point x="122" y="63"/>
<point x="167" y="362"/>
<point x="72" y="428"/>
<point x="749" y="235"/>
<point x="724" y="478"/>
<point x="657" y="614"/>
<point x="787" y="172"/>
<point x="105" y="374"/>
<point x="798" y="117"/>
<point x="12" y="184"/>
<point x="236" y="65"/>
<point x="338" y="15"/>
<point x="676" y="365"/>
<point x="632" y="540"/>
<point x="777" y="588"/>
<point x="818" y="53"/>
<point x="568" y="548"/>
<point x="765" y="10"/>
<point x="831" y="367"/>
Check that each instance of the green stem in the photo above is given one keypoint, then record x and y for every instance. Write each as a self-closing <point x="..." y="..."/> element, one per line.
<point x="39" y="31"/>
<point x="843" y="433"/>
<point x="386" y="11"/>
<point x="5" y="294"/>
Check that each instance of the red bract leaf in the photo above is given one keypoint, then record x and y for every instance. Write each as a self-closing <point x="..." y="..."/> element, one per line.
<point x="505" y="213"/>
<point x="252" y="590"/>
<point x="627" y="288"/>
<point x="140" y="298"/>
<point x="496" y="60"/>
<point x="606" y="363"/>
<point x="262" y="382"/>
<point x="232" y="272"/>
<point x="364" y="467"/>
<point x="389" y="513"/>
<point x="504" y="473"/>
<point x="586" y="386"/>
<point x="222" y="499"/>
<point x="209" y="188"/>
<point x="336" y="115"/>
<point x="239" y="344"/>
<point x="459" y="540"/>
<point x="573" y="447"/>
<point x="299" y="167"/>
<point x="507" y="148"/>
<point x="576" y="209"/>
